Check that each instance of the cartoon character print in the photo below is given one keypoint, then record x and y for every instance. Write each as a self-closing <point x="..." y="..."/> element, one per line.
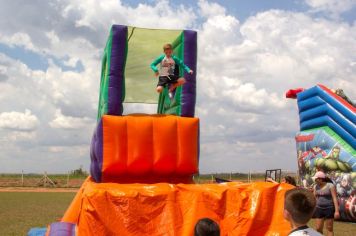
<point x="168" y="65"/>
<point x="346" y="196"/>
<point x="317" y="152"/>
<point x="344" y="185"/>
<point x="301" y="162"/>
<point x="350" y="206"/>
<point x="335" y="153"/>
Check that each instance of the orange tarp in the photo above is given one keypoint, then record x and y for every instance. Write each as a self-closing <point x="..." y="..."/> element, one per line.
<point x="173" y="209"/>
<point x="149" y="148"/>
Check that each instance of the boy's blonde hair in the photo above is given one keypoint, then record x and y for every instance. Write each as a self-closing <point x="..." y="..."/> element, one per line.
<point x="167" y="46"/>
<point x="300" y="203"/>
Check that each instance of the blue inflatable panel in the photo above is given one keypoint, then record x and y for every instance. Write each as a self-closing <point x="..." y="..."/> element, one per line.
<point x="327" y="121"/>
<point x="327" y="110"/>
<point x="327" y="98"/>
<point x="317" y="107"/>
<point x="37" y="232"/>
<point x="310" y="103"/>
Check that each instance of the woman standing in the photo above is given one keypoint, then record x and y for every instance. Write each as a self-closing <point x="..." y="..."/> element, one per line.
<point x="327" y="207"/>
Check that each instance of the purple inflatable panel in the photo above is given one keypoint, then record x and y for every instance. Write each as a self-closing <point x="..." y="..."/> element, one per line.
<point x="188" y="98"/>
<point x="62" y="229"/>
<point x="96" y="152"/>
<point x="117" y="70"/>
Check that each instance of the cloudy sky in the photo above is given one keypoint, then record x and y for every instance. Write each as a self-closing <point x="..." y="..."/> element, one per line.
<point x="250" y="53"/>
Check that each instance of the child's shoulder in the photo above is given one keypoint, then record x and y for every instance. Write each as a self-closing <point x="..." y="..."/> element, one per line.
<point x="330" y="185"/>
<point x="161" y="56"/>
<point x="306" y="231"/>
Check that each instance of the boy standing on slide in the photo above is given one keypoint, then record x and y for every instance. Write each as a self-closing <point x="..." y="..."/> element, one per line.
<point x="166" y="71"/>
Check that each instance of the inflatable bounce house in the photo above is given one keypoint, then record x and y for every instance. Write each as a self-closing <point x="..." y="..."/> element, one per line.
<point x="142" y="165"/>
<point x="326" y="142"/>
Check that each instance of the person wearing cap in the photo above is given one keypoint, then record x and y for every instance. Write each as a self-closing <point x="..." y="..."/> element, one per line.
<point x="327" y="207"/>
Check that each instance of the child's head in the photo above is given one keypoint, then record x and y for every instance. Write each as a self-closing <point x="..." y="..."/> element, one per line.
<point x="290" y="180"/>
<point x="168" y="49"/>
<point x="299" y="205"/>
<point x="206" y="227"/>
<point x="320" y="177"/>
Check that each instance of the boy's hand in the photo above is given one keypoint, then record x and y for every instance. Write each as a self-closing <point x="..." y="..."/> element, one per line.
<point x="337" y="215"/>
<point x="269" y="179"/>
<point x="156" y="73"/>
<point x="190" y="72"/>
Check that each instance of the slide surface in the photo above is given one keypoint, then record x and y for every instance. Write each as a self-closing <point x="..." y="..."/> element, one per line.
<point x="318" y="107"/>
<point x="326" y="142"/>
<point x="173" y="209"/>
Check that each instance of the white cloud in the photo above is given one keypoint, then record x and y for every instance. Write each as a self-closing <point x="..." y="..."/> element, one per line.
<point x="159" y="15"/>
<point x="68" y="122"/>
<point x="334" y="7"/>
<point x="20" y="136"/>
<point x="244" y="68"/>
<point x="244" y="71"/>
<point x="18" y="39"/>
<point x="18" y="121"/>
<point x="247" y="95"/>
<point x="210" y="9"/>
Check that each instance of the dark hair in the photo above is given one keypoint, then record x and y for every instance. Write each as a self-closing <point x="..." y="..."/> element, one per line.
<point x="300" y="203"/>
<point x="206" y="227"/>
<point x="290" y="180"/>
<point x="328" y="180"/>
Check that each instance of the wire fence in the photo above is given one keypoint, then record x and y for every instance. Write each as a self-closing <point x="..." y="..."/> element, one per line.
<point x="68" y="180"/>
<point x="71" y="180"/>
<point x="249" y="177"/>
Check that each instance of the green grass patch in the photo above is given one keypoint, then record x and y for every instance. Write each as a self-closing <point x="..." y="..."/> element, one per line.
<point x="21" y="211"/>
<point x="340" y="228"/>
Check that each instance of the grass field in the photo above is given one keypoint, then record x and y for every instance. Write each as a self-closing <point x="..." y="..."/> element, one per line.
<point x="341" y="228"/>
<point x="20" y="211"/>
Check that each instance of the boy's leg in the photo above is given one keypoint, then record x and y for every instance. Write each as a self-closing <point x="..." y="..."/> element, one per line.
<point x="159" y="89"/>
<point x="180" y="82"/>
<point x="329" y="227"/>
<point x="319" y="225"/>
<point x="162" y="82"/>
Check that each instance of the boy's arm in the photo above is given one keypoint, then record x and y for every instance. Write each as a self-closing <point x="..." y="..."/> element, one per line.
<point x="180" y="63"/>
<point x="156" y="62"/>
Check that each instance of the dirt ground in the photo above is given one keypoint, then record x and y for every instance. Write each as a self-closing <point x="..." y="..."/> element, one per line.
<point x="38" y="190"/>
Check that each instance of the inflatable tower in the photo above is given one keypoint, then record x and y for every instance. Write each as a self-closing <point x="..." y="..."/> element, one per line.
<point x="142" y="165"/>
<point x="326" y="142"/>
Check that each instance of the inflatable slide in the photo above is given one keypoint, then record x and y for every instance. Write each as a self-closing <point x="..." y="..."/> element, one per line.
<point x="326" y="142"/>
<point x="142" y="165"/>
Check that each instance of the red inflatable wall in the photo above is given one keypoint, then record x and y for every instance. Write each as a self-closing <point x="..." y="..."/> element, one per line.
<point x="149" y="148"/>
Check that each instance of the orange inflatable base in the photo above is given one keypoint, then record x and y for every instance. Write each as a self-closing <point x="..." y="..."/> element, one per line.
<point x="140" y="148"/>
<point x="173" y="209"/>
